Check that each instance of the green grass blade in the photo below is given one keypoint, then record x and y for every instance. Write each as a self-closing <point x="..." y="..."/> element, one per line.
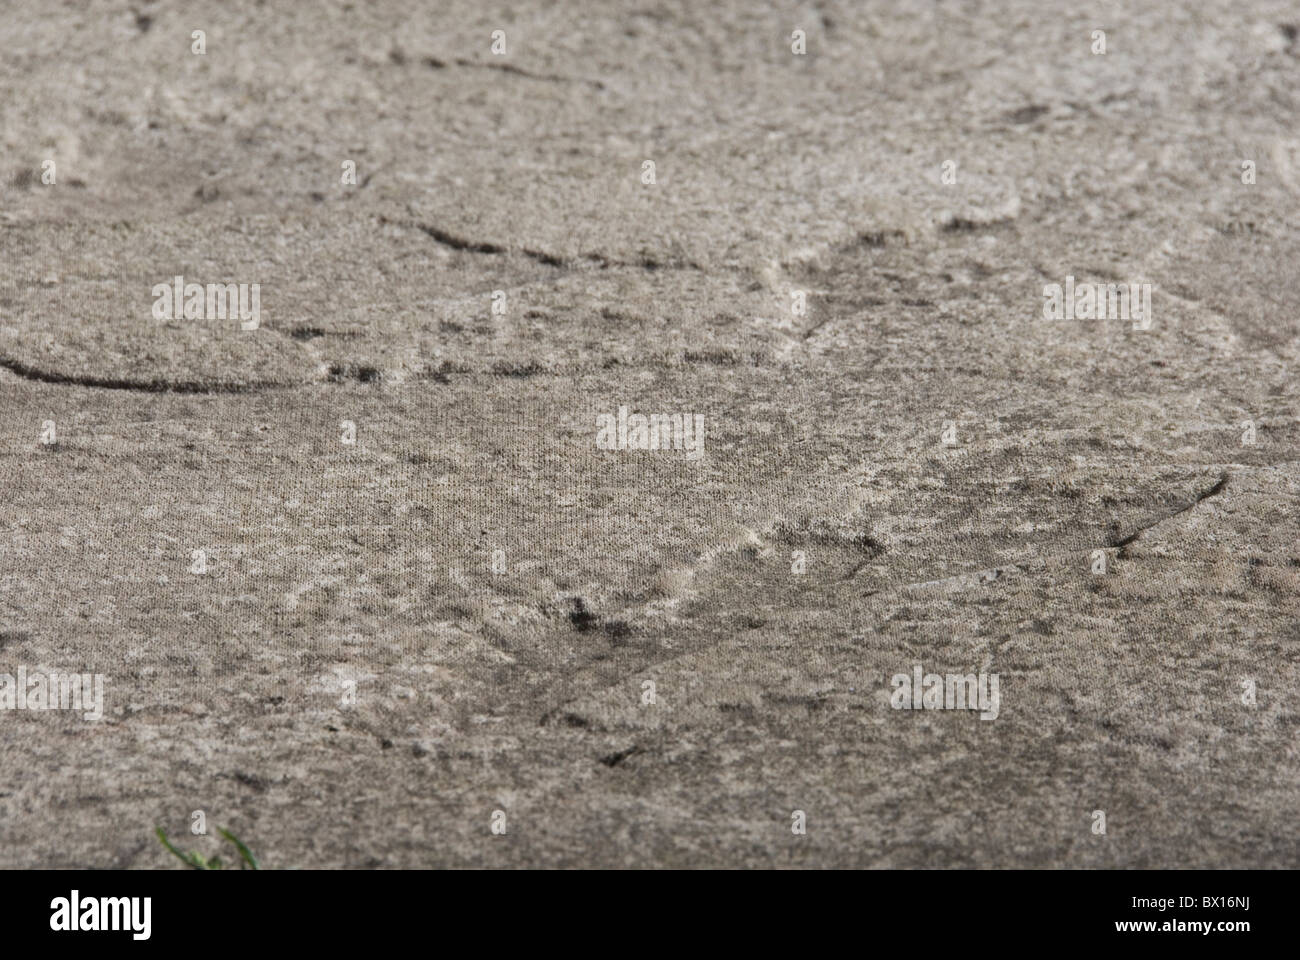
<point x="189" y="859"/>
<point x="243" y="850"/>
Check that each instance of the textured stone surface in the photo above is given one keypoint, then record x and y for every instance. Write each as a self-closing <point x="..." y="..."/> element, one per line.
<point x="521" y="691"/>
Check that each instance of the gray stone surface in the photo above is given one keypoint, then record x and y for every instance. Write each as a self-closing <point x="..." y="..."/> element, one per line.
<point x="522" y="691"/>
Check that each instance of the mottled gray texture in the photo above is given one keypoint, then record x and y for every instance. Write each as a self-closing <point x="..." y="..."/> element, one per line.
<point x="522" y="691"/>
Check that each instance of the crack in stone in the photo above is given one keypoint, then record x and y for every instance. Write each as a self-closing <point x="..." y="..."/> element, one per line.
<point x="614" y="759"/>
<point x="436" y="64"/>
<point x="1125" y="542"/>
<point x="156" y="385"/>
<point x="455" y="242"/>
<point x="448" y="239"/>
